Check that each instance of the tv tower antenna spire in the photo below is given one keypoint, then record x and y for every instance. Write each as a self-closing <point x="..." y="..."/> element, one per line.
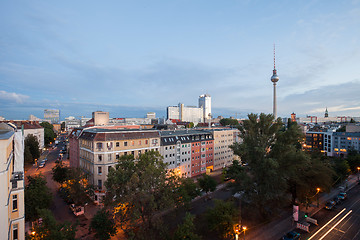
<point x="274" y="79"/>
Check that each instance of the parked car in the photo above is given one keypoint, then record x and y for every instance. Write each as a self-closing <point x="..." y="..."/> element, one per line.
<point x="42" y="164"/>
<point x="342" y="195"/>
<point x="337" y="200"/>
<point x="77" y="210"/>
<point x="291" y="236"/>
<point x="330" y="205"/>
<point x="45" y="159"/>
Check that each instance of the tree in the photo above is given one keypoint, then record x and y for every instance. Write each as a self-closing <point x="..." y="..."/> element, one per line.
<point x="103" y="225"/>
<point x="207" y="183"/>
<point x="186" y="230"/>
<point x="187" y="191"/>
<point x="222" y="218"/>
<point x="31" y="148"/>
<point x="229" y="122"/>
<point x="37" y="196"/>
<point x="49" y="229"/>
<point x="60" y="173"/>
<point x="137" y="190"/>
<point x="262" y="185"/>
<point x="77" y="186"/>
<point x="49" y="134"/>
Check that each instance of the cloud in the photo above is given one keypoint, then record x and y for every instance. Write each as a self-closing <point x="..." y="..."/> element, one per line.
<point x="11" y="96"/>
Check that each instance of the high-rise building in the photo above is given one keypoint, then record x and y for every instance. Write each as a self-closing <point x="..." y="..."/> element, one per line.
<point x="52" y="116"/>
<point x="205" y="104"/>
<point x="274" y="79"/>
<point x="12" y="210"/>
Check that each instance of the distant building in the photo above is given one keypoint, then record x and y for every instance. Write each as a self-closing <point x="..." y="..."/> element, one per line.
<point x="34" y="118"/>
<point x="100" y="118"/>
<point x="71" y="123"/>
<point x="12" y="207"/>
<point x="52" y="116"/>
<point x="205" y="104"/>
<point x="151" y="115"/>
<point x="191" y="113"/>
<point x="2" y="118"/>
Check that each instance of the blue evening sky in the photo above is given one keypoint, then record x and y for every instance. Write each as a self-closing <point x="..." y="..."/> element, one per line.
<point x="131" y="57"/>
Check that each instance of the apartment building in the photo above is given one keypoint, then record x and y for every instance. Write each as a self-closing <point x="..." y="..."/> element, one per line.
<point x="223" y="154"/>
<point x="100" y="148"/>
<point x="12" y="210"/>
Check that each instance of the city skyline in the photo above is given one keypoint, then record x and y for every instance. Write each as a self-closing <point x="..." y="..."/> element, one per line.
<point x="131" y="58"/>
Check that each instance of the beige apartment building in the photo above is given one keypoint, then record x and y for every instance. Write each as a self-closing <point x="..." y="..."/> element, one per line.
<point x="223" y="155"/>
<point x="100" y="149"/>
<point x="12" y="211"/>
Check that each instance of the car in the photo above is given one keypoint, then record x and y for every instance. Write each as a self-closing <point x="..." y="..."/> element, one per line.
<point x="342" y="195"/>
<point x="291" y="236"/>
<point x="45" y="159"/>
<point x="42" y="164"/>
<point x="330" y="205"/>
<point x="337" y="200"/>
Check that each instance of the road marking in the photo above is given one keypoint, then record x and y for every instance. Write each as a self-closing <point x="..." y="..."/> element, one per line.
<point x="335" y="225"/>
<point x="339" y="230"/>
<point x="327" y="223"/>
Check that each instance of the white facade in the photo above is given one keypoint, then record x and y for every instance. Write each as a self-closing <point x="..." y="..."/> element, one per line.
<point x="185" y="114"/>
<point x="37" y="132"/>
<point x="12" y="210"/>
<point x="205" y="104"/>
<point x="223" y="155"/>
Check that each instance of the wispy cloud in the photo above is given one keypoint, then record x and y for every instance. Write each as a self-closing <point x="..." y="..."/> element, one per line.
<point x="11" y="96"/>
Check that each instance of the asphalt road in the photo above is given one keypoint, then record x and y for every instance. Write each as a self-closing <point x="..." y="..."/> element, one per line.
<point x="343" y="222"/>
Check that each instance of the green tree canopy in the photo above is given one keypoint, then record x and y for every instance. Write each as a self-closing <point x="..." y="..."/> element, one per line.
<point x="37" y="196"/>
<point x="207" y="183"/>
<point x="229" y="122"/>
<point x="60" y="173"/>
<point x="187" y="191"/>
<point x="222" y="218"/>
<point x="49" y="134"/>
<point x="186" y="230"/>
<point x="32" y="148"/>
<point x="137" y="190"/>
<point x="49" y="229"/>
<point x="103" y="224"/>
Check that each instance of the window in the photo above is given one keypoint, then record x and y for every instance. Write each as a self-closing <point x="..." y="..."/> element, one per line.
<point x="117" y="144"/>
<point x="125" y="144"/>
<point x="109" y="167"/>
<point x="109" y="157"/>
<point x="125" y="153"/>
<point x="133" y="153"/>
<point x="99" y="145"/>
<point x="100" y="184"/>
<point x="14" y="203"/>
<point x="117" y="156"/>
<point x="132" y="143"/>
<point x="100" y="158"/>
<point x="139" y="142"/>
<point x="15" y="232"/>
<point x="146" y="142"/>
<point x="99" y="170"/>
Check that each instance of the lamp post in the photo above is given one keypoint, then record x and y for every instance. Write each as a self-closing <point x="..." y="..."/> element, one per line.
<point x="318" y="190"/>
<point x="358" y="168"/>
<point x="244" y="228"/>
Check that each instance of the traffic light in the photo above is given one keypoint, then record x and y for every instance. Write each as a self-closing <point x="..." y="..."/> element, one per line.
<point x="306" y="215"/>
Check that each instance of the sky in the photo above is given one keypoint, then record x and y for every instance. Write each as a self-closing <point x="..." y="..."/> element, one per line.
<point x="132" y="57"/>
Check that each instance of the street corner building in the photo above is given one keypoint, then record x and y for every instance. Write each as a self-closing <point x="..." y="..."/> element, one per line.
<point x="12" y="210"/>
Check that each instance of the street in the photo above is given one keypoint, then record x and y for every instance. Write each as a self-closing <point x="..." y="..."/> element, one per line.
<point x="59" y="208"/>
<point x="340" y="223"/>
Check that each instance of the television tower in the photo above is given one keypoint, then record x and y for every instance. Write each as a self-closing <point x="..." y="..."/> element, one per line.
<point x="274" y="79"/>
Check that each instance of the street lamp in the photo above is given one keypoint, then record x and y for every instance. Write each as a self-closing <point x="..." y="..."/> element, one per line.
<point x="244" y="228"/>
<point x="358" y="168"/>
<point x="318" y="190"/>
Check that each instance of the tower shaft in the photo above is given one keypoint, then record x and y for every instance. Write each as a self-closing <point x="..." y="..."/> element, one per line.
<point x="274" y="104"/>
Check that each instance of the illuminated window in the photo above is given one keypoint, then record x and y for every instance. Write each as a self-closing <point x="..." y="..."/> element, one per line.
<point x="14" y="203"/>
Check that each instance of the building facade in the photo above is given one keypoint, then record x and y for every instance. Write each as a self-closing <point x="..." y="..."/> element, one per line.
<point x="223" y="154"/>
<point x="205" y="104"/>
<point x="100" y="149"/>
<point x="52" y="116"/>
<point x="12" y="210"/>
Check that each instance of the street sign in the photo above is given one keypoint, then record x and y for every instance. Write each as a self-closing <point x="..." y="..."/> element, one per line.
<point x="303" y="226"/>
<point x="311" y="220"/>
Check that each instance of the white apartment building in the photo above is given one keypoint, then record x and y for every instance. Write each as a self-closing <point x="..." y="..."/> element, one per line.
<point x="100" y="149"/>
<point x="205" y="104"/>
<point x="12" y="210"/>
<point x="223" y="155"/>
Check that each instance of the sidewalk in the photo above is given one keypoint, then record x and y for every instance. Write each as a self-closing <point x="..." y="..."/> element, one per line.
<point x="277" y="228"/>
